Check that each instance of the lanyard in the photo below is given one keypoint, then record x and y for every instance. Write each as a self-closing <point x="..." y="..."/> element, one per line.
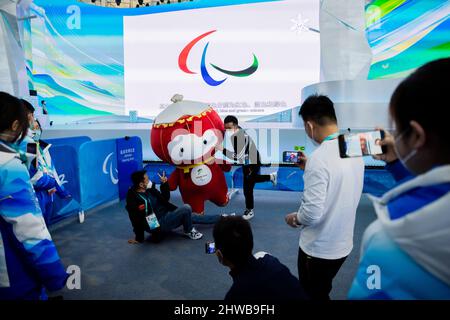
<point x="41" y="161"/>
<point x="331" y="136"/>
<point x="146" y="202"/>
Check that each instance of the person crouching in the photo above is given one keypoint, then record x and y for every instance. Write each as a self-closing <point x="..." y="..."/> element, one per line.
<point x="150" y="210"/>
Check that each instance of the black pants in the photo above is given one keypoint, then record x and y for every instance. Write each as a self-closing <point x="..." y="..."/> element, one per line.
<point x="156" y="234"/>
<point x="252" y="177"/>
<point x="316" y="275"/>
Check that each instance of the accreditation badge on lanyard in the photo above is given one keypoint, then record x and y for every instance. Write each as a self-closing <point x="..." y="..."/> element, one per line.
<point x="152" y="220"/>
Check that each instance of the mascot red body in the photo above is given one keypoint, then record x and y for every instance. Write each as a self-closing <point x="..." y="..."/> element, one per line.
<point x="185" y="134"/>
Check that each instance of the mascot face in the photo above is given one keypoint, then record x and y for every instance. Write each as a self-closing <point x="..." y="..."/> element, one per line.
<point x="188" y="147"/>
<point x="191" y="139"/>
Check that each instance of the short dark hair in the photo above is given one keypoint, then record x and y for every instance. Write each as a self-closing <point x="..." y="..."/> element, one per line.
<point x="12" y="109"/>
<point x="138" y="177"/>
<point x="28" y="106"/>
<point x="234" y="238"/>
<point x="231" y="119"/>
<point x="422" y="97"/>
<point x="318" y="108"/>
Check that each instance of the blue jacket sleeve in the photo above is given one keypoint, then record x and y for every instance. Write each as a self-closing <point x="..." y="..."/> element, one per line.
<point x="29" y="233"/>
<point x="398" y="171"/>
<point x="45" y="183"/>
<point x="61" y="192"/>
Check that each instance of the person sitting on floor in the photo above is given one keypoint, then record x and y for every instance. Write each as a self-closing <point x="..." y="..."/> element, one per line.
<point x="263" y="278"/>
<point x="150" y="210"/>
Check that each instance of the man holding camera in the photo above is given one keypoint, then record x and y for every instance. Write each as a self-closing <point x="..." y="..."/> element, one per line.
<point x="333" y="188"/>
<point x="259" y="277"/>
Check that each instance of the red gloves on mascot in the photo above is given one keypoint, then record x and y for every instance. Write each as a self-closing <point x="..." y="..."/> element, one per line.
<point x="185" y="134"/>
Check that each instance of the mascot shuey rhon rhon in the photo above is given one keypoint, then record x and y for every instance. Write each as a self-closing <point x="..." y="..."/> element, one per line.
<point x="185" y="134"/>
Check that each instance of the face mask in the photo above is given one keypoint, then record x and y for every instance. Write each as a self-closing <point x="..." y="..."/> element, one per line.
<point x="36" y="135"/>
<point x="15" y="139"/>
<point x="229" y="132"/>
<point x="149" y="185"/>
<point x="408" y="157"/>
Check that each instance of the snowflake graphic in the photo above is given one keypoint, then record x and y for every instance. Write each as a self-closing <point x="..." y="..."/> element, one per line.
<point x="300" y="25"/>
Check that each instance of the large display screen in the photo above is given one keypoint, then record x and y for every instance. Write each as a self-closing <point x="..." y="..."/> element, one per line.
<point x="247" y="57"/>
<point x="247" y="60"/>
<point x="405" y="34"/>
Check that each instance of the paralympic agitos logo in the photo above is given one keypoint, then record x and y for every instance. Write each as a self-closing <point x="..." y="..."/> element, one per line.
<point x="182" y="63"/>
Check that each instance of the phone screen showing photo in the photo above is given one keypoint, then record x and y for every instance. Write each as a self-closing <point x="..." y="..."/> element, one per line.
<point x="291" y="156"/>
<point x="210" y="247"/>
<point x="363" y="144"/>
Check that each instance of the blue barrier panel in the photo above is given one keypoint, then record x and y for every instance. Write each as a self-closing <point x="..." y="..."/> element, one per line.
<point x="75" y="142"/>
<point x="65" y="159"/>
<point x="129" y="160"/>
<point x="98" y="173"/>
<point x="289" y="179"/>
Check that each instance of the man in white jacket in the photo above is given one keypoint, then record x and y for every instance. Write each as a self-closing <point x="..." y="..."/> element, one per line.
<point x="333" y="188"/>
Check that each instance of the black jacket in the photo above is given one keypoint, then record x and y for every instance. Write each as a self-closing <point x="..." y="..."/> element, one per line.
<point x="159" y="204"/>
<point x="244" y="149"/>
<point x="265" y="278"/>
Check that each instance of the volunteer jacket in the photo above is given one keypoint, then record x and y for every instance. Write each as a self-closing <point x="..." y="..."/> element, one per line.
<point x="42" y="170"/>
<point x="406" y="251"/>
<point x="29" y="261"/>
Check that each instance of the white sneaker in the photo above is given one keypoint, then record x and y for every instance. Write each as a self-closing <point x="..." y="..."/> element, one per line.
<point x="274" y="178"/>
<point x="228" y="214"/>
<point x="194" y="234"/>
<point x="248" y="214"/>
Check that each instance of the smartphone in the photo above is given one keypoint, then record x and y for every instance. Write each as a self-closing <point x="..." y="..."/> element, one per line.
<point x="210" y="247"/>
<point x="292" y="156"/>
<point x="361" y="144"/>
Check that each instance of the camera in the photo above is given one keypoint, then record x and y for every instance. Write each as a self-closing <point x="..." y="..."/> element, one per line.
<point x="210" y="247"/>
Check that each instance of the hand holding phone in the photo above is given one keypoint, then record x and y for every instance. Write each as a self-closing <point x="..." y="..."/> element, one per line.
<point x="295" y="157"/>
<point x="388" y="144"/>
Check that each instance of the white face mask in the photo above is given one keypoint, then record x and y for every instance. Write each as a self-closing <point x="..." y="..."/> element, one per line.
<point x="409" y="156"/>
<point x="149" y="185"/>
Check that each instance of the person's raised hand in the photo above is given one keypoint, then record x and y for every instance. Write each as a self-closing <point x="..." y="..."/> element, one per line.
<point x="388" y="142"/>
<point x="162" y="177"/>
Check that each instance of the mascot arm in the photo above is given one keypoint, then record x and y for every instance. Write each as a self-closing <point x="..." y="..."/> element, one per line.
<point x="174" y="180"/>
<point x="226" y="167"/>
<point x="165" y="191"/>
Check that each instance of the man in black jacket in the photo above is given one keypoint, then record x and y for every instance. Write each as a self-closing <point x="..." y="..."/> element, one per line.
<point x="263" y="278"/>
<point x="150" y="210"/>
<point x="245" y="153"/>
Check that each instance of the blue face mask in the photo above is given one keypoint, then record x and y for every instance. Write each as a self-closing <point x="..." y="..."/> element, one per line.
<point x="16" y="146"/>
<point x="36" y="135"/>
<point x="15" y="142"/>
